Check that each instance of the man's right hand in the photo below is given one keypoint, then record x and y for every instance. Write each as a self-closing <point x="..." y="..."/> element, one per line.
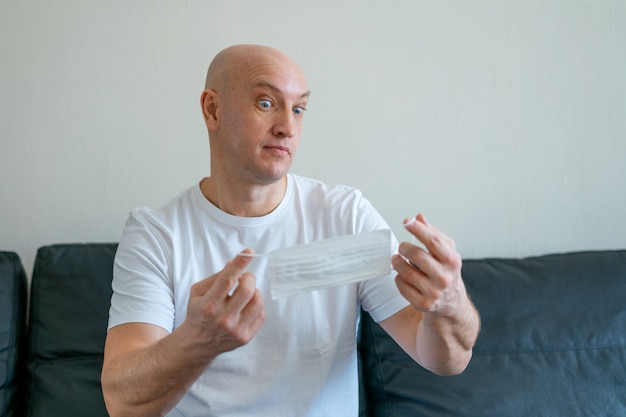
<point x="147" y="370"/>
<point x="226" y="310"/>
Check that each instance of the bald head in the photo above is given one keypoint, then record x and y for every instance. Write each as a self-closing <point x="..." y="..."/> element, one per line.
<point x="253" y="107"/>
<point x="236" y="61"/>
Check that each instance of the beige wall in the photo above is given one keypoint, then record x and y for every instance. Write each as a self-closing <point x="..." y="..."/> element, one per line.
<point x="503" y="121"/>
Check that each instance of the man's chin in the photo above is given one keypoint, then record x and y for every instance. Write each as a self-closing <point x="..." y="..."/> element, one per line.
<point x="270" y="178"/>
<point x="277" y="173"/>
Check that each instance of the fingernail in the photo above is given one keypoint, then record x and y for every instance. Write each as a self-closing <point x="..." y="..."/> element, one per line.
<point x="408" y="222"/>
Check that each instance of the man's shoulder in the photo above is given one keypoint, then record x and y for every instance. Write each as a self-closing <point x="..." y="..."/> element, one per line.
<point x="311" y="185"/>
<point x="175" y="207"/>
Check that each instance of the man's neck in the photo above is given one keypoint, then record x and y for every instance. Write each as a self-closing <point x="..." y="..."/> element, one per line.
<point x="250" y="200"/>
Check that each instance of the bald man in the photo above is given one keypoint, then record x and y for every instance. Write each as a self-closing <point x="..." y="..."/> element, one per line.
<point x="192" y="329"/>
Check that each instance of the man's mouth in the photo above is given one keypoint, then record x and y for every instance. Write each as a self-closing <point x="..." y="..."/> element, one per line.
<point x="281" y="150"/>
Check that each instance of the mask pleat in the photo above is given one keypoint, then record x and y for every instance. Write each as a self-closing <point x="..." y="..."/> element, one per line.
<point x="329" y="262"/>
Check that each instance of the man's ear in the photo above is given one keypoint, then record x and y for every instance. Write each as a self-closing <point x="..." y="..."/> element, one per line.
<point x="209" y="102"/>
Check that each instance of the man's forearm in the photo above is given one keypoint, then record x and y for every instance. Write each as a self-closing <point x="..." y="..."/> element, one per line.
<point x="445" y="343"/>
<point x="150" y="381"/>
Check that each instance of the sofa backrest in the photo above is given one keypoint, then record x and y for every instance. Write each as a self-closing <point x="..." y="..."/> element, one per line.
<point x="553" y="343"/>
<point x="69" y="306"/>
<point x="12" y="325"/>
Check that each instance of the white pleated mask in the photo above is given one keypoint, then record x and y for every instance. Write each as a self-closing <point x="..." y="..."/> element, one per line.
<point x="328" y="263"/>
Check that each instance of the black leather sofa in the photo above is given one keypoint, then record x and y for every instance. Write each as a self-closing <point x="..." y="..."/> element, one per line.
<point x="57" y="361"/>
<point x="553" y="340"/>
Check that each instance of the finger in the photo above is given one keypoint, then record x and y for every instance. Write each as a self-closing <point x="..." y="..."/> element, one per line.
<point x="201" y="287"/>
<point x="246" y="303"/>
<point x="438" y="244"/>
<point x="420" y="217"/>
<point x="245" y="290"/>
<point x="433" y="277"/>
<point x="421" y="290"/>
<point x="253" y="314"/>
<point x="419" y="279"/>
<point x="226" y="279"/>
<point x="417" y="299"/>
<point x="408" y="291"/>
<point x="417" y="258"/>
<point x="421" y="229"/>
<point x="401" y="263"/>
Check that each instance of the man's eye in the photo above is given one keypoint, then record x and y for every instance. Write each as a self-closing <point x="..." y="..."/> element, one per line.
<point x="265" y="104"/>
<point x="299" y="110"/>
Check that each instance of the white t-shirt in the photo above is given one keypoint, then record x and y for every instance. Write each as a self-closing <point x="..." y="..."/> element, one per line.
<point x="303" y="360"/>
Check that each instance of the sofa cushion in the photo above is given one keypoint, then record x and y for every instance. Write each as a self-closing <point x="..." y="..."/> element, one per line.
<point x="12" y="325"/>
<point x="70" y="298"/>
<point x="553" y="343"/>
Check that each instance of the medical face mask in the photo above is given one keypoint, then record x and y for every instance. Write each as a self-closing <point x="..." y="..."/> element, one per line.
<point x="328" y="263"/>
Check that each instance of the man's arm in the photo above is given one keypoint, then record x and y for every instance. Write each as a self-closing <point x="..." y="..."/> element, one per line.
<point x="440" y="327"/>
<point x="147" y="371"/>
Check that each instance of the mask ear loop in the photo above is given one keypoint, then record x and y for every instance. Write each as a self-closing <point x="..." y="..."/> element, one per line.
<point x="252" y="255"/>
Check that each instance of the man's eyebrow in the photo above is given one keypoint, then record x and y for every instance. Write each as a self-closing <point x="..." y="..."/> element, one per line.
<point x="267" y="84"/>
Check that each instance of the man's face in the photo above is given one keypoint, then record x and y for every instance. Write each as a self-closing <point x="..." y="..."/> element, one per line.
<point x="261" y="120"/>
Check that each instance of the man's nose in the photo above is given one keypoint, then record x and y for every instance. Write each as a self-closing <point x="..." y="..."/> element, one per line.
<point x="285" y="124"/>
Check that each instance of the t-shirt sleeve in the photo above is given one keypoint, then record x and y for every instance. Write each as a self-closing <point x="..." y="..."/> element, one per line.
<point x="380" y="297"/>
<point x="142" y="285"/>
